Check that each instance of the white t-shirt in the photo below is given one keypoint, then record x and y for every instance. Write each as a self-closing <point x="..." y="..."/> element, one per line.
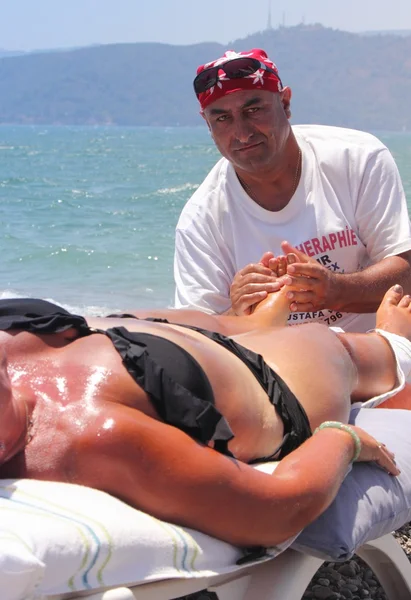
<point x="348" y="211"/>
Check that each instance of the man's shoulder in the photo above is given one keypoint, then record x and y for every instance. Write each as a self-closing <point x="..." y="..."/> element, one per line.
<point x="213" y="181"/>
<point x="207" y="197"/>
<point x="338" y="137"/>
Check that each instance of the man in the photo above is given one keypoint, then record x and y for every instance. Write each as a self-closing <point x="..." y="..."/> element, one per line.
<point x="335" y="195"/>
<point x="133" y="411"/>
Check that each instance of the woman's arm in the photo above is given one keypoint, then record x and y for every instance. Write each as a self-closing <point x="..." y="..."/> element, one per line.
<point x="160" y="470"/>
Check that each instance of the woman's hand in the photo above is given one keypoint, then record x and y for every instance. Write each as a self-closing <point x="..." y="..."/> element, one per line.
<point x="372" y="450"/>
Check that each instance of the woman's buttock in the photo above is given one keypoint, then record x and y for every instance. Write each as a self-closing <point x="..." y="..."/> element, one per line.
<point x="313" y="362"/>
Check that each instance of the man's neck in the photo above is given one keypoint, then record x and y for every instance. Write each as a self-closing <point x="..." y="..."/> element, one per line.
<point x="273" y="189"/>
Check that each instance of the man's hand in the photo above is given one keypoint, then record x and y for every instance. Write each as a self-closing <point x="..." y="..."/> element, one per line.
<point x="312" y="286"/>
<point x="253" y="283"/>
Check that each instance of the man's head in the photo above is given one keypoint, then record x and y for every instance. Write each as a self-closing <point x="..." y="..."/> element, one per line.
<point x="246" y="108"/>
<point x="233" y="72"/>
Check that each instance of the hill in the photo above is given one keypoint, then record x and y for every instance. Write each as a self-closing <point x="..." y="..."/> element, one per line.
<point x="402" y="32"/>
<point x="4" y="52"/>
<point x="337" y="78"/>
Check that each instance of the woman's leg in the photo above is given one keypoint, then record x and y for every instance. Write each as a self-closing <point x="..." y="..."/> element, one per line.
<point x="326" y="370"/>
<point x="373" y="355"/>
<point x="272" y="312"/>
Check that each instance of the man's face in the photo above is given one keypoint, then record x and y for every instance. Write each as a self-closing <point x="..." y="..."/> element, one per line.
<point x="250" y="128"/>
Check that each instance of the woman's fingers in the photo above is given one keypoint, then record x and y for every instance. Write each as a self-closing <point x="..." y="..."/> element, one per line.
<point x="373" y="450"/>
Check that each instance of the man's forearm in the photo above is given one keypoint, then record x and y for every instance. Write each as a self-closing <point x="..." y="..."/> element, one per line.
<point x="363" y="291"/>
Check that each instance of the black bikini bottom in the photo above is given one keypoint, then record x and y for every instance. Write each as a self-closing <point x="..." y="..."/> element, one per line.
<point x="174" y="381"/>
<point x="295" y="421"/>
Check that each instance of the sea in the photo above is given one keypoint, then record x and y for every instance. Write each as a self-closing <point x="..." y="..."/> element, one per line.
<point x="88" y="214"/>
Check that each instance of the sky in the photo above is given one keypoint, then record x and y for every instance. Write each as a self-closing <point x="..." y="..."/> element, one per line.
<point x="48" y="24"/>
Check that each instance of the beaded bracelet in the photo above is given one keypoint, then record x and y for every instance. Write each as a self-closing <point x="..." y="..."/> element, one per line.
<point x="348" y="429"/>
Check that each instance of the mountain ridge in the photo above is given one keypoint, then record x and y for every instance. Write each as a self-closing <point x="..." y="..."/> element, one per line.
<point x="337" y="78"/>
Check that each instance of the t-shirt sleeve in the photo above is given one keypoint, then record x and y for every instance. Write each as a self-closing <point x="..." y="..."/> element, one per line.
<point x="202" y="279"/>
<point x="381" y="211"/>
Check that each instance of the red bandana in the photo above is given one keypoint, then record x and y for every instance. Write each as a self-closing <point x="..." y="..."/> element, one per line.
<point x="261" y="79"/>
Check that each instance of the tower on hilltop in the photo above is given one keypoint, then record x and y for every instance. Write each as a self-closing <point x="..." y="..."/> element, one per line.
<point x="269" y="23"/>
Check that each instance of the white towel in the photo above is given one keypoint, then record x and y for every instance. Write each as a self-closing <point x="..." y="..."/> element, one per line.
<point x="57" y="538"/>
<point x="402" y="352"/>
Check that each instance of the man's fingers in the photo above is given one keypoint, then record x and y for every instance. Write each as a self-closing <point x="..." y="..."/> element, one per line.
<point x="245" y="304"/>
<point x="300" y="284"/>
<point x="287" y="248"/>
<point x="256" y="287"/>
<point x="245" y="296"/>
<point x="256" y="268"/>
<point x="307" y="307"/>
<point x="252" y="284"/>
<point x="266" y="281"/>
<point x="300" y="269"/>
<point x="302" y="301"/>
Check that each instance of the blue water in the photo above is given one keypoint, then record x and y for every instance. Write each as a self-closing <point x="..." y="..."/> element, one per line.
<point x="87" y="215"/>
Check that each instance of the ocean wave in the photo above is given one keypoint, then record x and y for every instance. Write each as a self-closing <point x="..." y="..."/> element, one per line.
<point x="180" y="188"/>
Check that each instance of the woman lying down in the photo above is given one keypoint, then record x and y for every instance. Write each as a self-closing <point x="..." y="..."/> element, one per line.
<point x="166" y="415"/>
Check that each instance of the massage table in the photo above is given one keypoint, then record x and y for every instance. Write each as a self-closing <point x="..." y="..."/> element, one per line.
<point x="60" y="541"/>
